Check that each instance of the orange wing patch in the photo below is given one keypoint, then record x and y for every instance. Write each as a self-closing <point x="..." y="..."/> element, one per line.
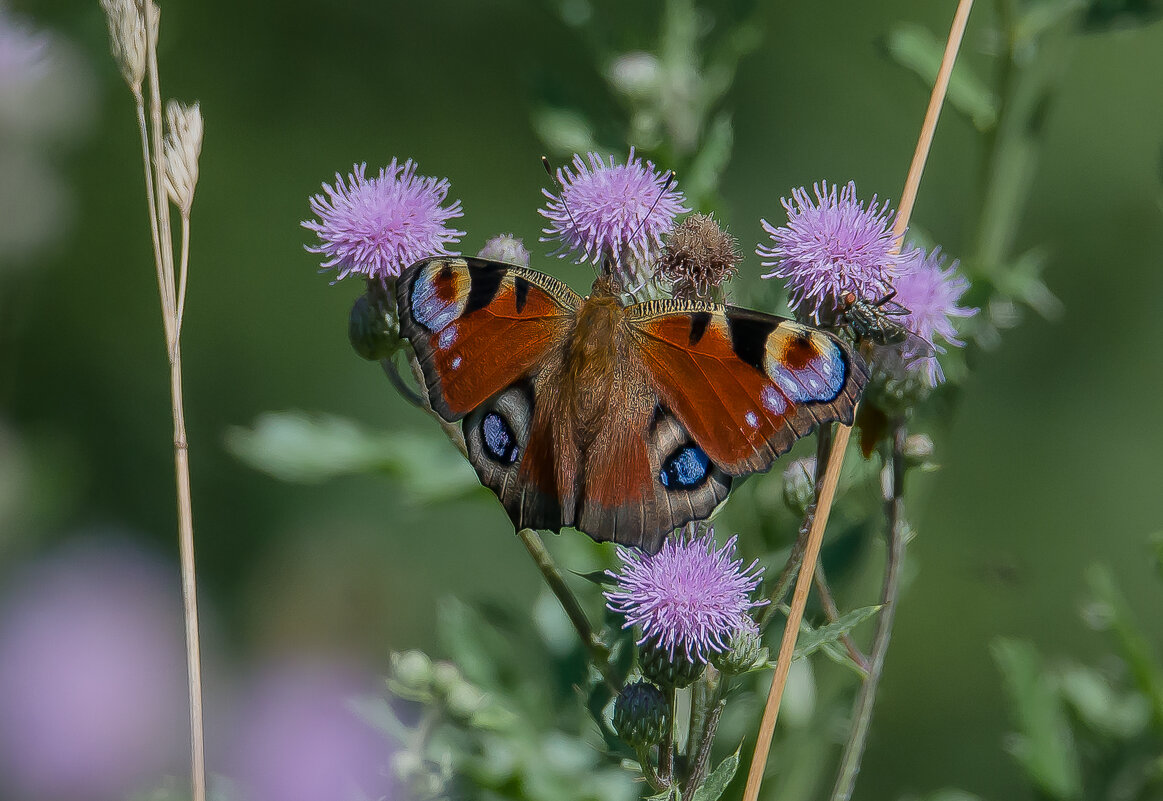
<point x="479" y="326"/>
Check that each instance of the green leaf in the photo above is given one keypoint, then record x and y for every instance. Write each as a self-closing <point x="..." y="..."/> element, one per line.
<point x="916" y="49"/>
<point x="828" y="636"/>
<point x="302" y="448"/>
<point x="701" y="179"/>
<point x="669" y="794"/>
<point x="597" y="577"/>
<point x="563" y="130"/>
<point x="1043" y="746"/>
<point x="1135" y="646"/>
<point x="716" y="784"/>
<point x="1099" y="706"/>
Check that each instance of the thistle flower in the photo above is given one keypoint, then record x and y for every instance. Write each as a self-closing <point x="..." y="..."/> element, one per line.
<point x="699" y="256"/>
<point x="616" y="210"/>
<point x="930" y="291"/>
<point x="690" y="597"/>
<point x="507" y="248"/>
<point x="831" y="246"/>
<point x="375" y="227"/>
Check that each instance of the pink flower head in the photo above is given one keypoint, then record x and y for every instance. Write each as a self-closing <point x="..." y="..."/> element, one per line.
<point x="831" y="246"/>
<point x="930" y="291"/>
<point x="689" y="597"/>
<point x="611" y="209"/>
<point x="375" y="227"/>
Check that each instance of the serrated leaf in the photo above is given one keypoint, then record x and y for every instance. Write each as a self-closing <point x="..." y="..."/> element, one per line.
<point x="716" y="783"/>
<point x="916" y="49"/>
<point x="598" y="577"/>
<point x="1043" y="746"/>
<point x="828" y="636"/>
<point x="302" y="448"/>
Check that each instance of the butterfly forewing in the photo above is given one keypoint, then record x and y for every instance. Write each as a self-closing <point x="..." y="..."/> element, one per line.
<point x="478" y="326"/>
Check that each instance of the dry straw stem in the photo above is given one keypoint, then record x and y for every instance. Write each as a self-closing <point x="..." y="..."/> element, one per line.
<point x="836" y="458"/>
<point x="133" y="29"/>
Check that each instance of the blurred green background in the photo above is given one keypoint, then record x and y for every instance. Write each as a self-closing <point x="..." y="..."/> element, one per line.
<point x="1050" y="461"/>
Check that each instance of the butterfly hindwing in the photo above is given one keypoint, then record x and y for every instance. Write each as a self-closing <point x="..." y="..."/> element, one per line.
<point x="479" y="326"/>
<point x="746" y="385"/>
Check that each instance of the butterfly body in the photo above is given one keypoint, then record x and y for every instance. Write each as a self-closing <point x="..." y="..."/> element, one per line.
<point x="624" y="421"/>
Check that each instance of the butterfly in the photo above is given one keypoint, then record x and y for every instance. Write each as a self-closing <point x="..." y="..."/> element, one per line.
<point x="622" y="421"/>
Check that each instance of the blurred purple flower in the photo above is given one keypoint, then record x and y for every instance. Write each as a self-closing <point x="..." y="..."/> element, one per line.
<point x="930" y="292"/>
<point x="92" y="677"/>
<point x="617" y="209"/>
<point x="689" y="597"/>
<point x="831" y="246"/>
<point x="375" y="227"/>
<point x="298" y="739"/>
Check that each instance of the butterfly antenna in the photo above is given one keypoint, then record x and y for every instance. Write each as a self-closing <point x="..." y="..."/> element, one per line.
<point x="669" y="182"/>
<point x="561" y="192"/>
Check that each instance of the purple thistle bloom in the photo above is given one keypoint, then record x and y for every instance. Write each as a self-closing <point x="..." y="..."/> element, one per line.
<point x="376" y="227"/>
<point x="615" y="208"/>
<point x="689" y="597"/>
<point x="930" y="292"/>
<point x="831" y="246"/>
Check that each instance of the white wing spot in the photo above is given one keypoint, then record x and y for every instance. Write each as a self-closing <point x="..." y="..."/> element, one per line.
<point x="447" y="336"/>
<point x="772" y="399"/>
<point x="752" y="419"/>
<point x="456" y="360"/>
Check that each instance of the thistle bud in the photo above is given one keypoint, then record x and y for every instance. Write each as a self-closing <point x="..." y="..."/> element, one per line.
<point x="743" y="652"/>
<point x="641" y="715"/>
<point x="373" y="328"/>
<point x="799" y="485"/>
<point x="507" y="248"/>
<point x="666" y="670"/>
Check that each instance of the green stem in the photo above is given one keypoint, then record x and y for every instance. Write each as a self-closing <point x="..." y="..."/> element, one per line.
<point x="702" y="759"/>
<point x="862" y="713"/>
<point x="569" y="602"/>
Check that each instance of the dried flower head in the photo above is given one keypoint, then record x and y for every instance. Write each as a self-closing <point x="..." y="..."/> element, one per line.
<point x="182" y="146"/>
<point x="375" y="227"/>
<point x="507" y="248"/>
<point x="688" y="598"/>
<point x="699" y="256"/>
<point x="831" y="246"/>
<point x="615" y="210"/>
<point x="930" y="291"/>
<point x="127" y="37"/>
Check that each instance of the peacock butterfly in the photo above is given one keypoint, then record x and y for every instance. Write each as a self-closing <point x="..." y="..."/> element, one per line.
<point x="622" y="421"/>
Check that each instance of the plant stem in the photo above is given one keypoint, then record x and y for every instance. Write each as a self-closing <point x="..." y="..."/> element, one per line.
<point x="832" y="473"/>
<point x="853" y="752"/>
<point x="183" y="264"/>
<point x="569" y="602"/>
<point x="189" y="581"/>
<point x="703" y="755"/>
<point x="648" y="771"/>
<point x="832" y="613"/>
<point x="397" y="380"/>
<point x="779" y="590"/>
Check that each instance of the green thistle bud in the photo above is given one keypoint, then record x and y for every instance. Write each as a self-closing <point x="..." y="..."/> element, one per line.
<point x="799" y="485"/>
<point x="743" y="651"/>
<point x="641" y="715"/>
<point x="658" y="666"/>
<point x="373" y="327"/>
<point x="412" y="669"/>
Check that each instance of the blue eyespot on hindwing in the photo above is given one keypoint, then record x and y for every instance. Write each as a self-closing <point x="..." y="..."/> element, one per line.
<point x="499" y="441"/>
<point x="686" y="468"/>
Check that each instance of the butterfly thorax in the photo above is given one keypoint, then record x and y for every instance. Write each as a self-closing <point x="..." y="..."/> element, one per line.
<point x="591" y="360"/>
